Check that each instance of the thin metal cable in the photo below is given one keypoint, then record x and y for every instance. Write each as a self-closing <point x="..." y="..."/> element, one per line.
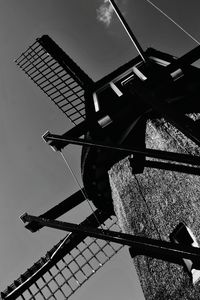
<point x="82" y="191"/>
<point x="86" y="198"/>
<point x="174" y="22"/>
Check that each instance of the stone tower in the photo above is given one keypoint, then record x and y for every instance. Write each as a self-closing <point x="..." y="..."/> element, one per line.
<point x="152" y="204"/>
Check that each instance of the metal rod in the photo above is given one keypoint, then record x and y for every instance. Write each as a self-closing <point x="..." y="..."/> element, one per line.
<point x="146" y="246"/>
<point x="129" y="31"/>
<point x="158" y="154"/>
<point x="172" y="167"/>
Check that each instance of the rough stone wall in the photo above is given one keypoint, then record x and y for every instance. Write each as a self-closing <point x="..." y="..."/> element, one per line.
<point x="152" y="204"/>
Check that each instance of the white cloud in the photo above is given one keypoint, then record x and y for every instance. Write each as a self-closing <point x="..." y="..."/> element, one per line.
<point x="105" y="13"/>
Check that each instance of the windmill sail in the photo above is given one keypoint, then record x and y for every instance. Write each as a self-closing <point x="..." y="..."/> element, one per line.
<point x="57" y="75"/>
<point x="67" y="266"/>
<point x="76" y="258"/>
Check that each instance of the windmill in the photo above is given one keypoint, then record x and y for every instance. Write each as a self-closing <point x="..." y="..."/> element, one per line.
<point x="146" y="78"/>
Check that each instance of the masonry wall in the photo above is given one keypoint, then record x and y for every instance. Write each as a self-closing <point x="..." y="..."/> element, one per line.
<point x="152" y="204"/>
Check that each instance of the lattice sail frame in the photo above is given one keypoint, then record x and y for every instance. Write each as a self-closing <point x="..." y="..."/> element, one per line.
<point x="61" y="277"/>
<point x="56" y="74"/>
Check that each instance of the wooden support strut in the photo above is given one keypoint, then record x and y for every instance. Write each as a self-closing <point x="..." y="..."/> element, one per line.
<point x="158" y="154"/>
<point x="58" y="210"/>
<point x="168" y="251"/>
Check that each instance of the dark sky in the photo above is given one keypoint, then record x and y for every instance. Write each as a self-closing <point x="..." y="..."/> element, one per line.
<point x="32" y="177"/>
